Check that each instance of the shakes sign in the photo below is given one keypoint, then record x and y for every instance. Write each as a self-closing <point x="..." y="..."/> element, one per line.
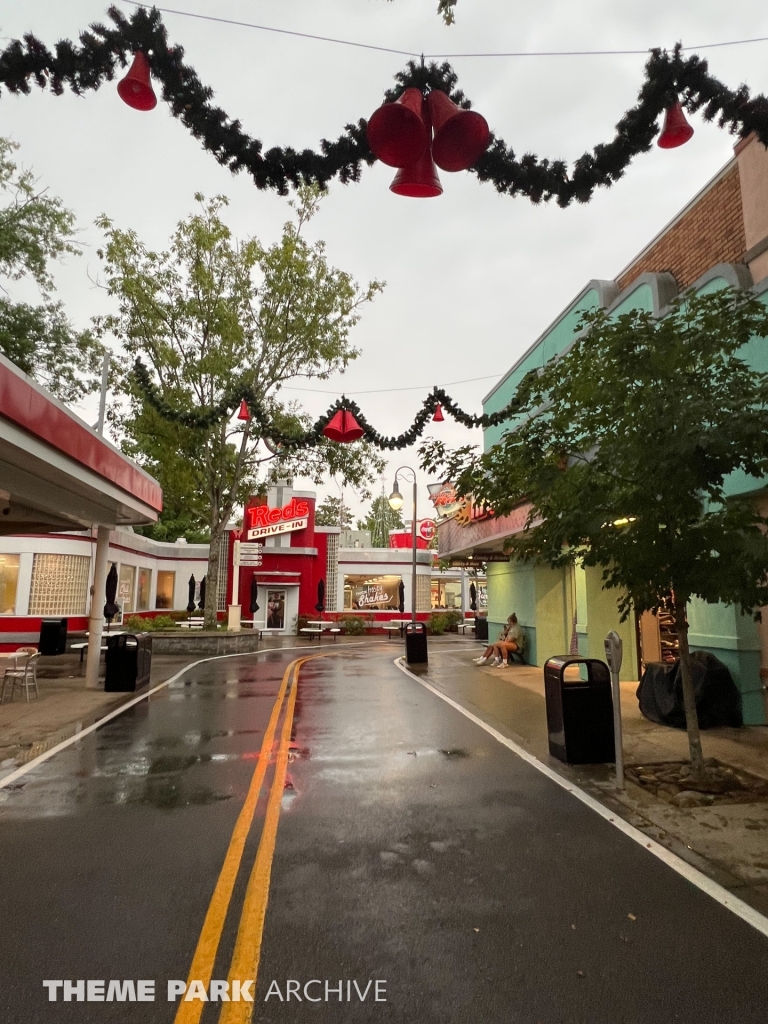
<point x="263" y="521"/>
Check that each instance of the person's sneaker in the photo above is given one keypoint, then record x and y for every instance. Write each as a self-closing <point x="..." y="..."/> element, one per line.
<point x="498" y="663"/>
<point x="480" y="661"/>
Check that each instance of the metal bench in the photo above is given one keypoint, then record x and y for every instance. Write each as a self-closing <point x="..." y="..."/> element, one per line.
<point x="311" y="631"/>
<point x="82" y="648"/>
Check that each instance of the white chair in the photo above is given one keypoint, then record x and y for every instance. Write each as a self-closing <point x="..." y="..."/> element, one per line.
<point x="21" y="675"/>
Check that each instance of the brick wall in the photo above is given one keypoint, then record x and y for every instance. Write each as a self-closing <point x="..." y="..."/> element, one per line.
<point x="710" y="232"/>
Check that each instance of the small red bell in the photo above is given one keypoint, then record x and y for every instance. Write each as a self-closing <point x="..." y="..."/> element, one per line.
<point x="675" y="131"/>
<point x="243" y="414"/>
<point x="438" y="417"/>
<point x="397" y="132"/>
<point x="419" y="180"/>
<point x="461" y="136"/>
<point x="343" y="427"/>
<point x="136" y="88"/>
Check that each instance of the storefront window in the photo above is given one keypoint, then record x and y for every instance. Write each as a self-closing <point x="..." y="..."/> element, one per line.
<point x="125" y="581"/>
<point x="372" y="593"/>
<point x="145" y="587"/>
<point x="446" y="594"/>
<point x="9" y="575"/>
<point x="59" y="585"/>
<point x="276" y="609"/>
<point x="166" y="581"/>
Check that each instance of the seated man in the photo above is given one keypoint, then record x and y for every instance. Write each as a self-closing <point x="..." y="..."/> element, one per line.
<point x="510" y="639"/>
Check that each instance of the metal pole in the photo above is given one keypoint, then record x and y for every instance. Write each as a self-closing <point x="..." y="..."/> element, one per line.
<point x="103" y="396"/>
<point x="617" y="730"/>
<point x="614" y="650"/>
<point x="413" y="541"/>
<point x="96" y="617"/>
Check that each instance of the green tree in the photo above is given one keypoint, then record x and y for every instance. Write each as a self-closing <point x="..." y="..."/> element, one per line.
<point x="380" y="520"/>
<point x="624" y="447"/>
<point x="35" y="230"/>
<point x="208" y="313"/>
<point x="331" y="512"/>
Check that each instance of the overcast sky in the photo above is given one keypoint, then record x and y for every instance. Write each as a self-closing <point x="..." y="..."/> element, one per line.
<point x="472" y="277"/>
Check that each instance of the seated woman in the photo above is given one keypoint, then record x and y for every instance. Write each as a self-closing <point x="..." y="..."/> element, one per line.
<point x="510" y="639"/>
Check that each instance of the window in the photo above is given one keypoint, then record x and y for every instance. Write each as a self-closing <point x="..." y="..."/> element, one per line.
<point x="59" y="585"/>
<point x="145" y="588"/>
<point x="9" y="576"/>
<point x="166" y="582"/>
<point x="125" y="587"/>
<point x="332" y="572"/>
<point x="372" y="593"/>
<point x="446" y="594"/>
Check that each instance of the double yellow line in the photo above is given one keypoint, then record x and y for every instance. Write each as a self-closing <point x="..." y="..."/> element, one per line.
<point x="245" y="959"/>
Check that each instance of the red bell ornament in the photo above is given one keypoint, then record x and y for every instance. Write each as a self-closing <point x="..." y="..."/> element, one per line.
<point x="243" y="413"/>
<point x="675" y="131"/>
<point x="136" y="88"/>
<point x="461" y="136"/>
<point x="419" y="180"/>
<point x="343" y="427"/>
<point x="398" y="132"/>
<point x="438" y="417"/>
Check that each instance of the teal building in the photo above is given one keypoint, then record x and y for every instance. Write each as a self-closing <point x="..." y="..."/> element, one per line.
<point x="719" y="239"/>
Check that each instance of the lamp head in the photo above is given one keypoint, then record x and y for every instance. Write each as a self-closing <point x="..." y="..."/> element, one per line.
<point x="395" y="498"/>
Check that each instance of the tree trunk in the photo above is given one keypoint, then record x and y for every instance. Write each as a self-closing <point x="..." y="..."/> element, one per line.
<point x="212" y="577"/>
<point x="689" y="696"/>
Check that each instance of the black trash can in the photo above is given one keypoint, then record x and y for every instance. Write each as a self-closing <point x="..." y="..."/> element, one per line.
<point x="416" y="643"/>
<point x="481" y="629"/>
<point x="579" y="710"/>
<point x="53" y="636"/>
<point x="128" y="662"/>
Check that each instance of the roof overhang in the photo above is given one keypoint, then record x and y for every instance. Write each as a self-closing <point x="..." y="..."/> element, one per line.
<point x="57" y="473"/>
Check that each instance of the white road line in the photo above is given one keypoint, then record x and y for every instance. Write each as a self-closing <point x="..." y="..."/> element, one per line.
<point x="13" y="776"/>
<point x="691" y="874"/>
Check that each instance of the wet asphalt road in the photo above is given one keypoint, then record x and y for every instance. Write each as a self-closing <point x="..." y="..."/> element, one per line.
<point x="412" y="848"/>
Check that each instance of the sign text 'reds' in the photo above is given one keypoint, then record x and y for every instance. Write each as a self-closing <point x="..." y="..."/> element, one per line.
<point x="263" y="521"/>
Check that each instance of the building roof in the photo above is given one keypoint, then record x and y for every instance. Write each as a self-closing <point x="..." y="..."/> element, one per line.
<point x="56" y="472"/>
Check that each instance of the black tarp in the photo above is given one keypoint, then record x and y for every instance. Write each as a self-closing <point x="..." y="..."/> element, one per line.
<point x="718" y="702"/>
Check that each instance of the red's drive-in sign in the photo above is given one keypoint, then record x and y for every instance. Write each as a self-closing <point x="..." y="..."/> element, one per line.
<point x="263" y="521"/>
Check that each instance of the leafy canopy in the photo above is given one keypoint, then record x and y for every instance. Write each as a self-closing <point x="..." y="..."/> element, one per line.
<point x="210" y="312"/>
<point x="331" y="512"/>
<point x="35" y="230"/>
<point x="625" y="447"/>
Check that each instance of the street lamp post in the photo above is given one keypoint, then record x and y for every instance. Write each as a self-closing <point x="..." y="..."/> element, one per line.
<point x="396" y="503"/>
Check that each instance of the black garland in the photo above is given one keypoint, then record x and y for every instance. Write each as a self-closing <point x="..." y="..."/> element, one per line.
<point x="204" y="419"/>
<point x="103" y="50"/>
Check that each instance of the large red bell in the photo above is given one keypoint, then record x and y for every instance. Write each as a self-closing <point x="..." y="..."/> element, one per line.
<point x="438" y="417"/>
<point x="419" y="180"/>
<point x="343" y="427"/>
<point x="675" y="131"/>
<point x="461" y="136"/>
<point x="243" y="413"/>
<point x="398" y="133"/>
<point x="136" y="88"/>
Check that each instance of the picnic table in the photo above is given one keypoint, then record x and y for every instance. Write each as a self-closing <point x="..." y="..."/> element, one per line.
<point x="395" y="626"/>
<point x="318" y="627"/>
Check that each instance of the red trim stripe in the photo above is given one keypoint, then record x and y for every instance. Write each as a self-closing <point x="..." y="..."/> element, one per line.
<point x="29" y="409"/>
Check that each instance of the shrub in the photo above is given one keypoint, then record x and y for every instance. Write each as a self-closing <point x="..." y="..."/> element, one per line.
<point x="140" y="624"/>
<point x="438" y="624"/>
<point x="353" y="625"/>
<point x="454" y="618"/>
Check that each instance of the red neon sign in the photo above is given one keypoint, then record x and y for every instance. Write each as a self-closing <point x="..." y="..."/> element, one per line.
<point x="263" y="515"/>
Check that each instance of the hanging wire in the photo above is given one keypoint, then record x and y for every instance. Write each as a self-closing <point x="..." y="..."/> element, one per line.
<point x="433" y="56"/>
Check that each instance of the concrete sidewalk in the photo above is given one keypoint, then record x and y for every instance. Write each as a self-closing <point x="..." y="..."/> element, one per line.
<point x="728" y="842"/>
